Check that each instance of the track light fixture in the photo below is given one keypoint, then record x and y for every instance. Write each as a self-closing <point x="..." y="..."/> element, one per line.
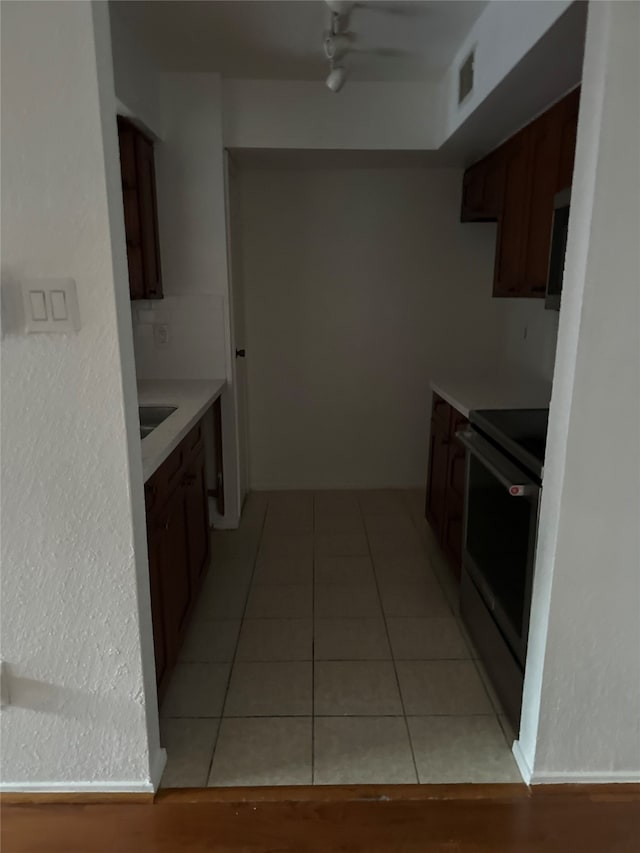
<point x="335" y="46"/>
<point x="336" y="78"/>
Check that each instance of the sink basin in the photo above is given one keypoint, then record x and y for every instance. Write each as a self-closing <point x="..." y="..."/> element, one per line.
<point x="153" y="416"/>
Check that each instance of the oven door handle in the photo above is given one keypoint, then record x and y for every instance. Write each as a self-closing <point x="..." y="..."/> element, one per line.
<point x="515" y="481"/>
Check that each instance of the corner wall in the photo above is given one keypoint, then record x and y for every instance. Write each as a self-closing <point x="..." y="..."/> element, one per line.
<point x="581" y="708"/>
<point x="76" y="627"/>
<point x="193" y="249"/>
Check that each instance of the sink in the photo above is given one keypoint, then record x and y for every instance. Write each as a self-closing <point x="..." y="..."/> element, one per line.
<point x="153" y="416"/>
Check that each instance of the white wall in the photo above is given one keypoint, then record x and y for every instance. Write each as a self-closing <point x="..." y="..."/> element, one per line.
<point x="190" y="178"/>
<point x="303" y="114"/>
<point x="76" y="631"/>
<point x="135" y="76"/>
<point x="359" y="286"/>
<point x="191" y="212"/>
<point x="581" y="711"/>
<point x="530" y="336"/>
<point x="502" y="35"/>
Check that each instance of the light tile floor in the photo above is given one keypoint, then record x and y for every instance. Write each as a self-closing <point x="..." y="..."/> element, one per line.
<point x="326" y="648"/>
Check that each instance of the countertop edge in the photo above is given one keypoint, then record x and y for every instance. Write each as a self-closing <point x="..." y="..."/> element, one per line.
<point x="450" y="399"/>
<point x="469" y="393"/>
<point x="169" y="435"/>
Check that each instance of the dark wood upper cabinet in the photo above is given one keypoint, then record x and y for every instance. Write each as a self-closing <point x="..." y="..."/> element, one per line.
<point x="140" y="211"/>
<point x="515" y="186"/>
<point x="508" y="279"/>
<point x="483" y="190"/>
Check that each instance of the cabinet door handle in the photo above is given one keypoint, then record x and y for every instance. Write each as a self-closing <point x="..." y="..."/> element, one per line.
<point x="189" y="479"/>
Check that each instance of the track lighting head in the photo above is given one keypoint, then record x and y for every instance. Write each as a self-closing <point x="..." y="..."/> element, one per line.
<point x="335" y="46"/>
<point x="336" y="78"/>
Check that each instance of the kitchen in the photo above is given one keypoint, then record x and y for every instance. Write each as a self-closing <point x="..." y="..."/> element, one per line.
<point x="510" y="346"/>
<point x="79" y="696"/>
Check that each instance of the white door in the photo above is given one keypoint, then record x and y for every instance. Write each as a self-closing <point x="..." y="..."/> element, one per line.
<point x="236" y="303"/>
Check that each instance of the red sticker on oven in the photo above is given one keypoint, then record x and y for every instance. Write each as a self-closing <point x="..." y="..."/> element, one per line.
<point x="516" y="491"/>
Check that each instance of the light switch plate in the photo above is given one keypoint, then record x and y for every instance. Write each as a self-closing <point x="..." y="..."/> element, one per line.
<point x="50" y="305"/>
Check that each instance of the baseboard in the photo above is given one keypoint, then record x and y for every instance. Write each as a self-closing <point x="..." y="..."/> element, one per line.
<point x="521" y="761"/>
<point x="157" y="765"/>
<point x="561" y="777"/>
<point x="613" y="777"/>
<point x="87" y="792"/>
<point x="79" y="792"/>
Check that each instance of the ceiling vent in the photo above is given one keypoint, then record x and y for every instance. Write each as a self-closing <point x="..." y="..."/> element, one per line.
<point x="465" y="77"/>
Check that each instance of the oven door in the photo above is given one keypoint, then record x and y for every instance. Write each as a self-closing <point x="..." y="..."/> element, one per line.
<point x="500" y="527"/>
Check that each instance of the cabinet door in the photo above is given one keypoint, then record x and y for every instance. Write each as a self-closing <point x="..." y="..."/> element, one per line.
<point x="127" y="142"/>
<point x="437" y="480"/>
<point x="508" y="279"/>
<point x="493" y="199"/>
<point x="175" y="581"/>
<point x="473" y="193"/>
<point x="544" y="158"/>
<point x="483" y="189"/>
<point x="148" y="217"/>
<point x="197" y="510"/>
<point x="155" y="538"/>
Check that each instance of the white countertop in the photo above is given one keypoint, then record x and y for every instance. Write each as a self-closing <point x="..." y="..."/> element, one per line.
<point x="192" y="398"/>
<point x="491" y="390"/>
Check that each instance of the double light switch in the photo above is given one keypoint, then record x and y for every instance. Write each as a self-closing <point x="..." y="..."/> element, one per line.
<point x="50" y="305"/>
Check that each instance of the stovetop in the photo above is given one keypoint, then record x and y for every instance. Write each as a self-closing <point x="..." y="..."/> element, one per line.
<point x="520" y="432"/>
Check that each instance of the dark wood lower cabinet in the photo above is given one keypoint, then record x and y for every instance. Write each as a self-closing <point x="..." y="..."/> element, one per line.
<point x="446" y="481"/>
<point x="155" y="545"/>
<point x="197" y="515"/>
<point x="178" y="546"/>
<point x="437" y="483"/>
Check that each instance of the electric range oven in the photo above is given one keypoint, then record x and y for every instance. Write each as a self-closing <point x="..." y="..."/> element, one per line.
<point x="504" y="466"/>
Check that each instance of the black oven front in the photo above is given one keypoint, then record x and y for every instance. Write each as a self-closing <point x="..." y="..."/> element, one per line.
<point x="500" y="529"/>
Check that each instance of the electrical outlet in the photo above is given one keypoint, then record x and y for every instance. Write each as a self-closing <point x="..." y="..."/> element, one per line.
<point x="161" y="336"/>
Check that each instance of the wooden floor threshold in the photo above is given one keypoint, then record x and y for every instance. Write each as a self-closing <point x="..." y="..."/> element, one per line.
<point x="623" y="792"/>
<point x="342" y="793"/>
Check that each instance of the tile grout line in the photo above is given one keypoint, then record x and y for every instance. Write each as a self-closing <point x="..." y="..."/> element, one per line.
<point x="322" y="716"/>
<point x="427" y="555"/>
<point x="467" y="640"/>
<point x="235" y="651"/>
<point x="395" y="668"/>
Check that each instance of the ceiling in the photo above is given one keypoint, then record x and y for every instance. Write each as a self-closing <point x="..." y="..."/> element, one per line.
<point x="271" y="39"/>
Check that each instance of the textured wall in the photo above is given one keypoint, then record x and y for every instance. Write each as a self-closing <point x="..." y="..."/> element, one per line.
<point x="73" y="548"/>
<point x="581" y="711"/>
